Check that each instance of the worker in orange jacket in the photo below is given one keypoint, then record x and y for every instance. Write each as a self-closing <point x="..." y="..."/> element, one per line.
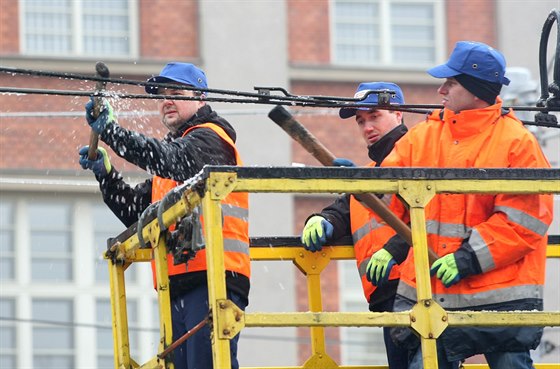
<point x="492" y="247"/>
<point x="197" y="136"/>
<point x="380" y="129"/>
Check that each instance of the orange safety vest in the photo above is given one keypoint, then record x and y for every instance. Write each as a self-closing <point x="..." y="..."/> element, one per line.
<point x="507" y="232"/>
<point x="369" y="236"/>
<point x="235" y="227"/>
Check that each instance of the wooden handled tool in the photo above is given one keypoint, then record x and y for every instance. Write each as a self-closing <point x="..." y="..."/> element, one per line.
<point x="299" y="133"/>
<point x="101" y="70"/>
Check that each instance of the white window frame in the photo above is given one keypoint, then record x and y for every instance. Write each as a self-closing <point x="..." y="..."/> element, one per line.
<point x="77" y="48"/>
<point x="386" y="57"/>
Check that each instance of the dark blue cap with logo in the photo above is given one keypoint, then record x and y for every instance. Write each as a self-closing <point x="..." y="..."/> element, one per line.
<point x="185" y="73"/>
<point x="396" y="98"/>
<point x="475" y="59"/>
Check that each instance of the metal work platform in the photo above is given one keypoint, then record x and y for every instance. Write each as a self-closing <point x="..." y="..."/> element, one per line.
<point x="416" y="186"/>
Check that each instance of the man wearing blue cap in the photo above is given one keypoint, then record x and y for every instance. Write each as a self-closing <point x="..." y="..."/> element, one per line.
<point x="197" y="136"/>
<point x="380" y="129"/>
<point x="492" y="248"/>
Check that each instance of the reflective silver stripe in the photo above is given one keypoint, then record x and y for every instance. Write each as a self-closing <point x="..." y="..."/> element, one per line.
<point x="235" y="211"/>
<point x="362" y="267"/>
<point x="447" y="229"/>
<point x="482" y="251"/>
<point x="365" y="230"/>
<point x="523" y="219"/>
<point x="464" y="301"/>
<point x="233" y="245"/>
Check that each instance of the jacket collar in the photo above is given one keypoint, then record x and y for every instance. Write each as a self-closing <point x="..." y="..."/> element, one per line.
<point x="471" y="122"/>
<point x="380" y="149"/>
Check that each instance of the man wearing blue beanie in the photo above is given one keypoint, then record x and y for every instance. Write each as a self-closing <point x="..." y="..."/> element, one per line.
<point x="492" y="247"/>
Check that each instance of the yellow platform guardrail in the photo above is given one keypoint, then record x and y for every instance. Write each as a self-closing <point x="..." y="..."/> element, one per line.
<point x="416" y="186"/>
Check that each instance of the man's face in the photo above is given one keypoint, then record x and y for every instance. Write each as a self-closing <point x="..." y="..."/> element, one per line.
<point x="175" y="112"/>
<point x="456" y="98"/>
<point x="374" y="124"/>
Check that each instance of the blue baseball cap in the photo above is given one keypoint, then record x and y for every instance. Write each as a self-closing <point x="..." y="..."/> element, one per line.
<point x="372" y="98"/>
<point x="476" y="60"/>
<point x="185" y="73"/>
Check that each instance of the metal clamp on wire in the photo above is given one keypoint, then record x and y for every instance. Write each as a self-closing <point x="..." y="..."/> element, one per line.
<point x="140" y="224"/>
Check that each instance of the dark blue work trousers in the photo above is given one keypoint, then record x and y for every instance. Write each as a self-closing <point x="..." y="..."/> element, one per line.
<point x="397" y="357"/>
<point x="187" y="311"/>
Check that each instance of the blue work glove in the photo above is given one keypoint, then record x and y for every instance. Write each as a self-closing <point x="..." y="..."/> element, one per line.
<point x="100" y="166"/>
<point x="105" y="117"/>
<point x="379" y="267"/>
<point x="316" y="232"/>
<point x="445" y="269"/>
<point x="341" y="162"/>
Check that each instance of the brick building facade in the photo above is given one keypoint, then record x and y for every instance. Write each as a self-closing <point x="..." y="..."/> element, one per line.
<point x="298" y="36"/>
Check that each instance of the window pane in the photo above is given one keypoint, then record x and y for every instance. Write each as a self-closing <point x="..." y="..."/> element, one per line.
<point x="51" y="256"/>
<point x="51" y="270"/>
<point x="106" y="28"/>
<point x="52" y="338"/>
<point x="7" y="269"/>
<point x="53" y="362"/>
<point x="7" y="257"/>
<point x="6" y="214"/>
<point x="53" y="310"/>
<point x="7" y="337"/>
<point x="50" y="242"/>
<point x="7" y="325"/>
<point x="49" y="215"/>
<point x="105" y="362"/>
<point x="365" y="9"/>
<point x="8" y="361"/>
<point x="6" y="242"/>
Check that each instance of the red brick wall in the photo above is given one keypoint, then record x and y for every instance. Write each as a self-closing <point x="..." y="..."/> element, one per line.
<point x="168" y="29"/>
<point x="51" y="143"/>
<point x="308" y="32"/>
<point x="473" y="20"/>
<point x="9" y="26"/>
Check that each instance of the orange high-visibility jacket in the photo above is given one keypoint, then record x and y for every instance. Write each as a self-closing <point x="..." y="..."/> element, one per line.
<point x="369" y="236"/>
<point x="506" y="232"/>
<point x="235" y="227"/>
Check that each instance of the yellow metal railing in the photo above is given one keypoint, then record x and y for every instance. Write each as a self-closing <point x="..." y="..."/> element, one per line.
<point x="416" y="187"/>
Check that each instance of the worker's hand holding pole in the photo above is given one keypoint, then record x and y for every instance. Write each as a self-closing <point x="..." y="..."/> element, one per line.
<point x="101" y="70"/>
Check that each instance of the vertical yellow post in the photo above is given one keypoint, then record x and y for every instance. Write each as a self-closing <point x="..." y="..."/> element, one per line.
<point x="119" y="319"/>
<point x="417" y="194"/>
<point x="312" y="264"/>
<point x="164" y="301"/>
<point x="212" y="212"/>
